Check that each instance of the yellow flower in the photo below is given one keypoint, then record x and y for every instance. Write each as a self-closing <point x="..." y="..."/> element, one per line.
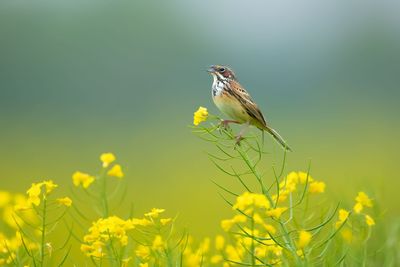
<point x="154" y="213"/>
<point x="66" y="201"/>
<point x="248" y="199"/>
<point x="165" y="221"/>
<point x="276" y="213"/>
<point x="146" y="264"/>
<point x="358" y="207"/>
<point x="347" y="235"/>
<point x="304" y="177"/>
<point x="50" y="185"/>
<point x="200" y="115"/>
<point x="343" y="215"/>
<point x="317" y="187"/>
<point x="142" y="252"/>
<point x="363" y="199"/>
<point x="5" y="198"/>
<point x="158" y="242"/>
<point x="239" y="218"/>
<point x="216" y="259"/>
<point x="85" y="179"/>
<point x="257" y="218"/>
<point x="103" y="230"/>
<point x="270" y="228"/>
<point x="304" y="239"/>
<point x="226" y="225"/>
<point x="219" y="242"/>
<point x="106" y="159"/>
<point x="33" y="194"/>
<point x="369" y="220"/>
<point x="116" y="171"/>
<point x="300" y="253"/>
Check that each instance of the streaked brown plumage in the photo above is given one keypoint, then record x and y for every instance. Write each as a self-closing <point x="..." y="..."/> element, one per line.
<point x="233" y="100"/>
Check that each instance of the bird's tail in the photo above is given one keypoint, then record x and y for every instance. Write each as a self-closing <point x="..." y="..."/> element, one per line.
<point x="278" y="138"/>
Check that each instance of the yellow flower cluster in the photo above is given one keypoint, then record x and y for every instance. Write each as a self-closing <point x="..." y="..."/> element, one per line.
<point x="35" y="191"/>
<point x="10" y="246"/>
<point x="362" y="200"/>
<point x="293" y="180"/>
<point x="112" y="229"/>
<point x="194" y="257"/>
<point x="200" y="115"/>
<point x="115" y="230"/>
<point x="39" y="191"/>
<point x="107" y="159"/>
<point x="84" y="179"/>
<point x="10" y="204"/>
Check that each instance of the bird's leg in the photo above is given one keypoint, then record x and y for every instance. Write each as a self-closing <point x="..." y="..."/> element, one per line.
<point x="225" y="123"/>
<point x="239" y="137"/>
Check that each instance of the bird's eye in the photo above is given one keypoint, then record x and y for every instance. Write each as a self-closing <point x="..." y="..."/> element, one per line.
<point x="221" y="69"/>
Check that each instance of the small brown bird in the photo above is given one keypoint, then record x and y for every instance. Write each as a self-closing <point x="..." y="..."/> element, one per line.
<point x="234" y="101"/>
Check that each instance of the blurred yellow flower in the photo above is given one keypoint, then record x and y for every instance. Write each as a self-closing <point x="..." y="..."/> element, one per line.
<point x="165" y="221"/>
<point x="363" y="199"/>
<point x="5" y="198"/>
<point x="103" y="230"/>
<point x="116" y="171"/>
<point x="227" y="224"/>
<point x="216" y="259"/>
<point x="158" y="243"/>
<point x="257" y="218"/>
<point x="358" y="207"/>
<point x="200" y="115"/>
<point x="66" y="201"/>
<point x="33" y="194"/>
<point x="146" y="264"/>
<point x="304" y="239"/>
<point x="343" y="215"/>
<point x="251" y="200"/>
<point x="276" y="213"/>
<point x="154" y="213"/>
<point x="142" y="252"/>
<point x="219" y="242"/>
<point x="84" y="179"/>
<point x="369" y="220"/>
<point x="239" y="218"/>
<point x="107" y="158"/>
<point x="317" y="187"/>
<point x="304" y="177"/>
<point x="50" y="185"/>
<point x="347" y="235"/>
<point x="270" y="229"/>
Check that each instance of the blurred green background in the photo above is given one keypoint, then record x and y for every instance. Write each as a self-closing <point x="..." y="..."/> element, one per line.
<point x="78" y="78"/>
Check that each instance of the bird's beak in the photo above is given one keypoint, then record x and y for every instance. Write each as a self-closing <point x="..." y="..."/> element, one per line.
<point x="211" y="69"/>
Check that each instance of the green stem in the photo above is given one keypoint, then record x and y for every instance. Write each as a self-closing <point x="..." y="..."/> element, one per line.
<point x="43" y="230"/>
<point x="104" y="194"/>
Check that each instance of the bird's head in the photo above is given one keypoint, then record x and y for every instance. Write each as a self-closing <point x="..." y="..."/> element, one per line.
<point x="222" y="72"/>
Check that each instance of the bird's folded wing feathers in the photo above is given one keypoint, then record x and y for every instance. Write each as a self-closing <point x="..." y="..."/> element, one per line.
<point x="245" y="99"/>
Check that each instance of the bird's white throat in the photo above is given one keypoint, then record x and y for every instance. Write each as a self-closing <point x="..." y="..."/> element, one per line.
<point x="217" y="86"/>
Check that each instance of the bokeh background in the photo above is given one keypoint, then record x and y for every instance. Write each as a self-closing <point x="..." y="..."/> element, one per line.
<point x="78" y="78"/>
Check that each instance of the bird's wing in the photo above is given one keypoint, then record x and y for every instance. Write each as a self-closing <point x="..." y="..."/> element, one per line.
<point x="247" y="102"/>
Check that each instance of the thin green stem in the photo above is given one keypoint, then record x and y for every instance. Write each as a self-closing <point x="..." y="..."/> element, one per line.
<point x="43" y="238"/>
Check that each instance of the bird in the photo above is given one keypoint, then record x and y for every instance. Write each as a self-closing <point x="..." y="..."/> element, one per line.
<point x="233" y="100"/>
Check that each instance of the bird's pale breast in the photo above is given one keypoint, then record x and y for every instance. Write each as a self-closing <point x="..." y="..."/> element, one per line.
<point x="230" y="106"/>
